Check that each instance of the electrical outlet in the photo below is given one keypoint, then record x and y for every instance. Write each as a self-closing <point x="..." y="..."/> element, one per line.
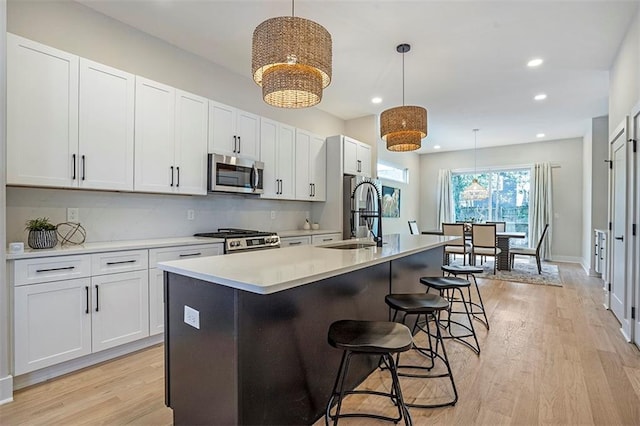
<point x="192" y="317"/>
<point x="191" y="214"/>
<point x="273" y="214"/>
<point x="73" y="214"/>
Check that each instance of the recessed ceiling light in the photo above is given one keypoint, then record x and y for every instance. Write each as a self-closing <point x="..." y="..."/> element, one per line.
<point x="540" y="135"/>
<point x="376" y="100"/>
<point x="540" y="97"/>
<point x="535" y="63"/>
<point x="436" y="147"/>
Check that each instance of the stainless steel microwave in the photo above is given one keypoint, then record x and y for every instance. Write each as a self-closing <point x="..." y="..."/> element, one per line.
<point x="233" y="174"/>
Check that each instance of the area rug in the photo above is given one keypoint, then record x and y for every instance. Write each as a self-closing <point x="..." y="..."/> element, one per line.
<point x="522" y="272"/>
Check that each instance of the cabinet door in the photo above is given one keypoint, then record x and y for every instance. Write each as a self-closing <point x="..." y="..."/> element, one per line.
<point x="42" y="114"/>
<point x="154" y="137"/>
<point x="156" y="301"/>
<point x="191" y="143"/>
<point x="364" y="159"/>
<point x="303" y="182"/>
<point x="268" y="155"/>
<point x="248" y="133"/>
<point x="105" y="127"/>
<point x="120" y="309"/>
<point x="286" y="161"/>
<point x="318" y="166"/>
<point x="222" y="127"/>
<point x="350" y="156"/>
<point x="52" y="323"/>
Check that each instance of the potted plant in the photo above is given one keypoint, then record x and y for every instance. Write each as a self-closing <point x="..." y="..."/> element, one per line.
<point x="42" y="233"/>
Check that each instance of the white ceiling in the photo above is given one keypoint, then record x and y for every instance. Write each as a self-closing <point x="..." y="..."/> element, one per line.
<point x="467" y="64"/>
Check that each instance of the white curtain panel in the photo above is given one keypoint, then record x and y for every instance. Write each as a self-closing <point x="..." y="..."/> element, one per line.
<point x="445" y="197"/>
<point x="541" y="208"/>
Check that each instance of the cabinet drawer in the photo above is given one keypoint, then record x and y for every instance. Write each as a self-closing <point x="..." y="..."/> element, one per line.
<point x="119" y="261"/>
<point x="46" y="269"/>
<point x="184" y="252"/>
<point x="295" y="241"/>
<point x="322" y="239"/>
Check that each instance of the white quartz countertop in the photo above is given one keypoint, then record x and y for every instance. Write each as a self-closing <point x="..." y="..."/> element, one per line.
<point x="270" y="271"/>
<point x="107" y="246"/>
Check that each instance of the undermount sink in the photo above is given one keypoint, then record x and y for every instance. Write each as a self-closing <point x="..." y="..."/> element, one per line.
<point x="350" y="246"/>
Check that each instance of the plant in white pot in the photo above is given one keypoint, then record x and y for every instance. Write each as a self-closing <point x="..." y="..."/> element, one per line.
<point x="42" y="233"/>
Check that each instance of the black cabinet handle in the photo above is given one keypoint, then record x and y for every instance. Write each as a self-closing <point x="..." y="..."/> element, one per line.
<point x="121" y="262"/>
<point x="83" y="166"/>
<point x="310" y="190"/>
<point x="359" y="166"/>
<point x="327" y="239"/>
<point x="97" y="298"/>
<point x="239" y="144"/>
<point x="65" y="268"/>
<point x="190" y="254"/>
<point x="86" y="289"/>
<point x="74" y="167"/>
<point x="171" y="175"/>
<point x="235" y="143"/>
<point x="280" y="186"/>
<point x="295" y="243"/>
<point x="178" y="181"/>
<point x="621" y="238"/>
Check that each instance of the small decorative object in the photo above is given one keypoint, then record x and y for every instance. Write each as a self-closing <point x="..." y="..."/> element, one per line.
<point x="315" y="226"/>
<point x="306" y="225"/>
<point x="42" y="233"/>
<point x="71" y="233"/>
<point x="390" y="201"/>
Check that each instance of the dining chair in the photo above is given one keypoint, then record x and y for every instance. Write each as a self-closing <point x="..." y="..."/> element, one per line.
<point x="460" y="246"/>
<point x="528" y="251"/>
<point x="500" y="226"/>
<point x="484" y="243"/>
<point x="413" y="227"/>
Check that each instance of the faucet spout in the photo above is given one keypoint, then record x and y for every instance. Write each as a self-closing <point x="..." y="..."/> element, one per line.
<point x="378" y="214"/>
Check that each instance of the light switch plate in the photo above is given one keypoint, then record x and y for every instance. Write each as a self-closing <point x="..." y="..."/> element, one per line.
<point x="192" y="317"/>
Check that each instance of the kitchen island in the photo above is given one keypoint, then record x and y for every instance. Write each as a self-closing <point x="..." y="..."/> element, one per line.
<point x="245" y="341"/>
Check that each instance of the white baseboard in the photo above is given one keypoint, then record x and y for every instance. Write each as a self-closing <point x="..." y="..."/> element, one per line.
<point x="567" y="259"/>
<point x="48" y="373"/>
<point x="6" y="389"/>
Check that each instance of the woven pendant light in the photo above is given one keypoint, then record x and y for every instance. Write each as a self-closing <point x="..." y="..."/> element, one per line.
<point x="403" y="128"/>
<point x="475" y="191"/>
<point x="291" y="60"/>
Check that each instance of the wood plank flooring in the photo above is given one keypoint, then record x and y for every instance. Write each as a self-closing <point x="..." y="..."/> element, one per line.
<point x="553" y="355"/>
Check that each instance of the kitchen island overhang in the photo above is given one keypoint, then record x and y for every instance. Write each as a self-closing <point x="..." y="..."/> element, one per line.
<point x="260" y="353"/>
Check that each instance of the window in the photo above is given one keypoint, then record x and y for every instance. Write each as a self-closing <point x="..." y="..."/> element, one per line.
<point x="387" y="171"/>
<point x="508" y="199"/>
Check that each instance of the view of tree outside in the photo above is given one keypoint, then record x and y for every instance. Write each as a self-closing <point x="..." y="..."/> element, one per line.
<point x="508" y="199"/>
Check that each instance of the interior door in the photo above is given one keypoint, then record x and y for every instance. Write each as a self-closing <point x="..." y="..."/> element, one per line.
<point x="635" y="256"/>
<point x="620" y="241"/>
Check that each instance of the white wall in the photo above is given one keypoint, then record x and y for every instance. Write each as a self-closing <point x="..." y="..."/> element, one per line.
<point x="77" y="29"/>
<point x="567" y="185"/>
<point x="587" y="172"/>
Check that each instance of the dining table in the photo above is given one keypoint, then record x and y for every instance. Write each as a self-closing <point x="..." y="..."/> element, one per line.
<point x="502" y="242"/>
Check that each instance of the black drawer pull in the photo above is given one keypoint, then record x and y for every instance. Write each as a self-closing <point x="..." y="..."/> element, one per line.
<point x="327" y="239"/>
<point x="121" y="262"/>
<point x="296" y="243"/>
<point x="190" y="254"/>
<point x="97" y="298"/>
<point x="66" y="268"/>
<point x="86" y="289"/>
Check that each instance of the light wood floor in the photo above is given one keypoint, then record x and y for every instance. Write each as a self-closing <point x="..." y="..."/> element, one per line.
<point x="553" y="356"/>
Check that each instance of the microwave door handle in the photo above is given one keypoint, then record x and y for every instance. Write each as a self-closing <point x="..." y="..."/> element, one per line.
<point x="255" y="178"/>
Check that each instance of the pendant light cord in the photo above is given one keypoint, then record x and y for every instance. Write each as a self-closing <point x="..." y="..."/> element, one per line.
<point x="292" y="8"/>
<point x="402" y="78"/>
<point x="475" y="151"/>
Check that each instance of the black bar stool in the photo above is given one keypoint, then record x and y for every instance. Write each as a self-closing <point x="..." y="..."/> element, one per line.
<point x="477" y="308"/>
<point x="448" y="287"/>
<point x="368" y="338"/>
<point x="428" y="306"/>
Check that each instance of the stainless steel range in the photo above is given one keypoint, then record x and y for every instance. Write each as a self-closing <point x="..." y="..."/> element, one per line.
<point x="238" y="240"/>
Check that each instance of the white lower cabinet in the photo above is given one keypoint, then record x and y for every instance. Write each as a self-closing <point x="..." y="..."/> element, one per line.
<point x="52" y="323"/>
<point x="120" y="309"/>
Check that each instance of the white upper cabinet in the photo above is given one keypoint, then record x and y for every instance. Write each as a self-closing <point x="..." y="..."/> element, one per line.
<point x="277" y="152"/>
<point x="42" y="114"/>
<point x="233" y="132"/>
<point x="105" y="154"/>
<point x="310" y="171"/>
<point x="170" y="139"/>
<point x="357" y="157"/>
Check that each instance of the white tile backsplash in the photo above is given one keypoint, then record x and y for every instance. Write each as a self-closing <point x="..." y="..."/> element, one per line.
<point x="113" y="216"/>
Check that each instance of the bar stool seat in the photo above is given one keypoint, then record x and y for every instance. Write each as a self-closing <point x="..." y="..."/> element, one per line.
<point x="382" y="338"/>
<point x="427" y="306"/>
<point x="447" y="287"/>
<point x="476" y="308"/>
